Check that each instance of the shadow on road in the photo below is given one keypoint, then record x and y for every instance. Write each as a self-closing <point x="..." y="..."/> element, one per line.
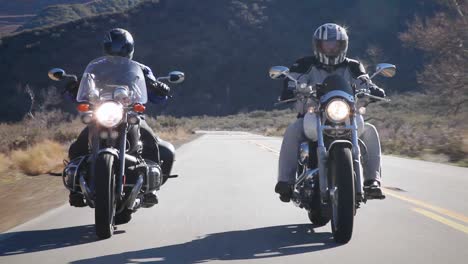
<point x="268" y="242"/>
<point x="41" y="240"/>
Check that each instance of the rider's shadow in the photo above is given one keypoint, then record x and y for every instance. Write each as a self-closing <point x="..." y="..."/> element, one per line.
<point x="259" y="243"/>
<point x="23" y="242"/>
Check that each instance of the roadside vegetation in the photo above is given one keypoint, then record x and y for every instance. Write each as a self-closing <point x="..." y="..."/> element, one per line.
<point x="37" y="145"/>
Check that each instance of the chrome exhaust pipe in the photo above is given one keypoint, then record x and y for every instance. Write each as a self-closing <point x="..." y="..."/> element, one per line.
<point x="86" y="191"/>
<point x="132" y="202"/>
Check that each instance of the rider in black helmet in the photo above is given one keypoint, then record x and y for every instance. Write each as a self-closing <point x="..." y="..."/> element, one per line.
<point x="119" y="42"/>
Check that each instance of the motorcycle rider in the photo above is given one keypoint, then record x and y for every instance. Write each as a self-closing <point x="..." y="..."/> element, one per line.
<point x="330" y="43"/>
<point x="119" y="42"/>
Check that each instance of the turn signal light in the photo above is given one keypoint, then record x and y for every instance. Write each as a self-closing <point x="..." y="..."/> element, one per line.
<point x="139" y="108"/>
<point x="83" y="108"/>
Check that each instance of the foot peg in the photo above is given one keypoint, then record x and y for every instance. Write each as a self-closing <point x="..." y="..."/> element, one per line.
<point x="150" y="199"/>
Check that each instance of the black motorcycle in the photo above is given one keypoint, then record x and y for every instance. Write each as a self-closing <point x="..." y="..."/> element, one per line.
<point x="114" y="177"/>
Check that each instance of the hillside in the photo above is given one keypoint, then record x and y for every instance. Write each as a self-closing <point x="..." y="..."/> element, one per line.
<point x="14" y="14"/>
<point x="225" y="48"/>
<point x="21" y="7"/>
<point x="59" y="14"/>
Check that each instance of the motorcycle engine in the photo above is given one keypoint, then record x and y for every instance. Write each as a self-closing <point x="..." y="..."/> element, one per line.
<point x="153" y="179"/>
<point x="71" y="174"/>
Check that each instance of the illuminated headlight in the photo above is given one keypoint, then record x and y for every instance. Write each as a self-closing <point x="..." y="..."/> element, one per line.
<point x="109" y="114"/>
<point x="337" y="111"/>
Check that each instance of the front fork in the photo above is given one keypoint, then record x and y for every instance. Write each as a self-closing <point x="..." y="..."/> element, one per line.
<point x="357" y="160"/>
<point x="322" y="155"/>
<point x="94" y="138"/>
<point x="122" y="150"/>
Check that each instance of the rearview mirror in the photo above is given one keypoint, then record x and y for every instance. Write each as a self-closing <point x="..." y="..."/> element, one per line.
<point x="385" y="69"/>
<point x="56" y="74"/>
<point x="277" y="72"/>
<point x="176" y="77"/>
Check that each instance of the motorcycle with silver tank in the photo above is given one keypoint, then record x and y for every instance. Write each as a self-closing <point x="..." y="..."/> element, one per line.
<point x="113" y="177"/>
<point x="329" y="178"/>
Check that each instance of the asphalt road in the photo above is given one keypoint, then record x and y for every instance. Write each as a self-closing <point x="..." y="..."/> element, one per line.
<point x="222" y="209"/>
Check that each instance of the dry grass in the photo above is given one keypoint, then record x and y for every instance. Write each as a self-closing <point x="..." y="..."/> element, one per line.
<point x="40" y="159"/>
<point x="175" y="135"/>
<point x="407" y="127"/>
<point x="5" y="164"/>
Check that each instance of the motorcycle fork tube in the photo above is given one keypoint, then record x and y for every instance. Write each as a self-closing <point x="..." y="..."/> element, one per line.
<point x="322" y="160"/>
<point x="94" y="141"/>
<point x="356" y="157"/>
<point x="122" y="150"/>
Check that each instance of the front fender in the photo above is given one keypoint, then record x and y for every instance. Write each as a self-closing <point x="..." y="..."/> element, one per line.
<point x="111" y="151"/>
<point x="336" y="143"/>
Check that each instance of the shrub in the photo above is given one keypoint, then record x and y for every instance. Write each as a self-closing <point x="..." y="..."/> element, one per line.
<point x="42" y="158"/>
<point x="5" y="164"/>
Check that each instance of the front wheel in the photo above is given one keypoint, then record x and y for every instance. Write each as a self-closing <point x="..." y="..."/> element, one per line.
<point x="342" y="197"/>
<point x="105" y="202"/>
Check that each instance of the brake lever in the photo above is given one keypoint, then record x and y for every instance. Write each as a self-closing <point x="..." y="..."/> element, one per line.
<point x="285" y="101"/>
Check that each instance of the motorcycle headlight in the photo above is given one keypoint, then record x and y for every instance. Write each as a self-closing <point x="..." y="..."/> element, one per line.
<point x="337" y="111"/>
<point x="109" y="114"/>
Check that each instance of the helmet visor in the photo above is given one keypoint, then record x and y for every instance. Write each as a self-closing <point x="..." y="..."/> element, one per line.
<point x="331" y="48"/>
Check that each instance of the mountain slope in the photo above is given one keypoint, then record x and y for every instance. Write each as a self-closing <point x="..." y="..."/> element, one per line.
<point x="225" y="47"/>
<point x="59" y="14"/>
<point x="20" y="7"/>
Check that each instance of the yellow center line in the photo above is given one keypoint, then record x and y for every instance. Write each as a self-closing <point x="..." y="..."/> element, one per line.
<point x="434" y="208"/>
<point x="442" y="220"/>
<point x="443" y="211"/>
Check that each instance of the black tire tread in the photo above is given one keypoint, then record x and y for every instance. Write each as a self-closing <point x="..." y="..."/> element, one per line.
<point x="342" y="165"/>
<point x="104" y="177"/>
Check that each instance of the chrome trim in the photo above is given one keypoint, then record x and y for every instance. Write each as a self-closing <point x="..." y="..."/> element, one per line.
<point x="384" y="69"/>
<point x="77" y="167"/>
<point x="176" y="77"/>
<point x="357" y="158"/>
<point x="56" y="74"/>
<point x="304" y="153"/>
<point x="86" y="191"/>
<point x="322" y="157"/>
<point x="277" y="71"/>
<point x="130" y="203"/>
<point x="337" y="127"/>
<point x="305" y="175"/>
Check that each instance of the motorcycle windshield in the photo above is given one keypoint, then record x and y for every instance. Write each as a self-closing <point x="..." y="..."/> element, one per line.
<point x="335" y="83"/>
<point x="104" y="75"/>
<point x="335" y="86"/>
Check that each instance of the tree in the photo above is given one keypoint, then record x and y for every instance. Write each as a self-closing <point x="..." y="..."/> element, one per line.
<point x="444" y="39"/>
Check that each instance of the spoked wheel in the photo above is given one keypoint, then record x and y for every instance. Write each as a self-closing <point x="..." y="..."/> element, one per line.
<point x="105" y="201"/>
<point x="342" y="196"/>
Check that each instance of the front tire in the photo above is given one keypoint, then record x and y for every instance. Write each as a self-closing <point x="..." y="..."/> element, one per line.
<point x="105" y="202"/>
<point x="342" y="195"/>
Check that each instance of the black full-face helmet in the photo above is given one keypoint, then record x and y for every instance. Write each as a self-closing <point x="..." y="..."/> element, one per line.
<point x="330" y="44"/>
<point x="119" y="42"/>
